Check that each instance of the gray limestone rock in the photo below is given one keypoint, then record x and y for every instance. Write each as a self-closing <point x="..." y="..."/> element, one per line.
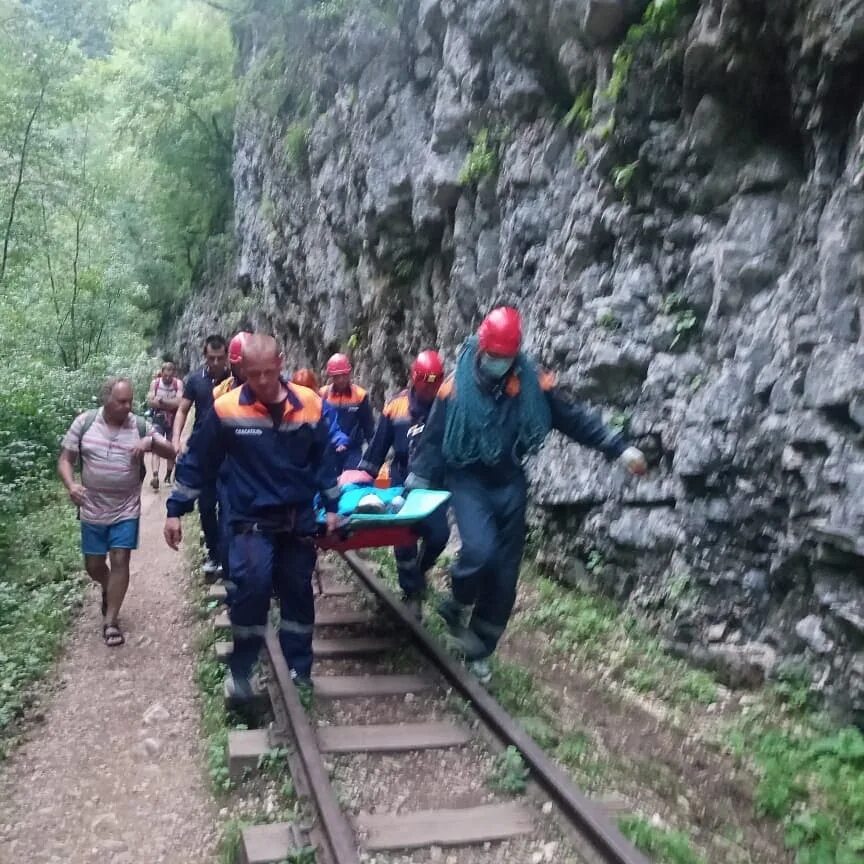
<point x="710" y="297"/>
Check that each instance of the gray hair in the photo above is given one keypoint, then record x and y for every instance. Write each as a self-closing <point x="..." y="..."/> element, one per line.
<point x="109" y="384"/>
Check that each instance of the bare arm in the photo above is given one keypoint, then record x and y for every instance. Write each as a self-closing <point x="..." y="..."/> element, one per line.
<point x="66" y="471"/>
<point x="162" y="446"/>
<point x="152" y="401"/>
<point x="180" y="422"/>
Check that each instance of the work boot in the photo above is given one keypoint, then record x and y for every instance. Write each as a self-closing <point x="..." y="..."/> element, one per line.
<point x="457" y="616"/>
<point x="154" y="482"/>
<point x="481" y="670"/>
<point x="238" y="691"/>
<point x="414" y="605"/>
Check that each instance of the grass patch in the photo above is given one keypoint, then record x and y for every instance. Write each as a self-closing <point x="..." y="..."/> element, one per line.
<point x="229" y="842"/>
<point x="40" y="588"/>
<point x="811" y="778"/>
<point x="663" y="844"/>
<point x="593" y="629"/>
<point x="509" y="773"/>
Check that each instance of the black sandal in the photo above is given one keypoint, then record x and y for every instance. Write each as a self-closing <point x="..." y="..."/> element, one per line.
<point x="112" y="636"/>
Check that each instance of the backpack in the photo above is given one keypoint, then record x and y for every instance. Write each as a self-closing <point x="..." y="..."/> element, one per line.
<point x="90" y="418"/>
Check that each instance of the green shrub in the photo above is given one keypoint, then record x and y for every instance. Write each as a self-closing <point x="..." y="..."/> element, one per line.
<point x="579" y="114"/>
<point x="509" y="773"/>
<point x="481" y="162"/>
<point x="622" y="176"/>
<point x="297" y="146"/>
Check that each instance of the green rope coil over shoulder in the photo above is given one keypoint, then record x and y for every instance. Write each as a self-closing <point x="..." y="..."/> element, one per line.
<point x="480" y="427"/>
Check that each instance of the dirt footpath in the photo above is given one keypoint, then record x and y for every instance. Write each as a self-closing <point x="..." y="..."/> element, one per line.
<point x="115" y="773"/>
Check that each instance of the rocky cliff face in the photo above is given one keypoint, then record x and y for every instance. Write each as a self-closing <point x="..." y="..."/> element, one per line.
<point x="674" y="196"/>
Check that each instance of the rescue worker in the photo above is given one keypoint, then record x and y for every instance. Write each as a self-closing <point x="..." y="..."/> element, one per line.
<point x="495" y="409"/>
<point x="399" y="429"/>
<point x="272" y="438"/>
<point x="198" y="391"/>
<point x="234" y="380"/>
<point x="339" y="440"/>
<point x="352" y="408"/>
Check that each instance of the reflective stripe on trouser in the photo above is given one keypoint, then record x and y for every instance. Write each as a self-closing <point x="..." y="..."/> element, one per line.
<point x="224" y="537"/>
<point x="491" y="521"/>
<point x="412" y="565"/>
<point x="260" y="565"/>
<point x="209" y="520"/>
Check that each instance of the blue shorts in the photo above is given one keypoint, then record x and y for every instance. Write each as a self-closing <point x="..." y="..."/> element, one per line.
<point x="98" y="539"/>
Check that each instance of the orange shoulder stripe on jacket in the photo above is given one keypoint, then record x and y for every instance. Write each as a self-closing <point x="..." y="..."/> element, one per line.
<point x="223" y="387"/>
<point x="228" y="406"/>
<point x="398" y="407"/>
<point x="448" y="388"/>
<point x="310" y="410"/>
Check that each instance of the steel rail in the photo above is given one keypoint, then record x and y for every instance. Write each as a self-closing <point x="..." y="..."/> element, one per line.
<point x="335" y="826"/>
<point x="578" y="809"/>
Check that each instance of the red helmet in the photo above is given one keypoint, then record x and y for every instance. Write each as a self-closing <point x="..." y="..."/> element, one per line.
<point x="427" y="373"/>
<point x="501" y="332"/>
<point x="339" y="364"/>
<point x="427" y="368"/>
<point x="235" y="346"/>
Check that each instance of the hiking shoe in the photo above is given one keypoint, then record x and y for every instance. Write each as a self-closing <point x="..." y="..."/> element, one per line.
<point x="481" y="670"/>
<point x="168" y="480"/>
<point x="238" y="690"/>
<point x="414" y="605"/>
<point x="461" y="637"/>
<point x="154" y="483"/>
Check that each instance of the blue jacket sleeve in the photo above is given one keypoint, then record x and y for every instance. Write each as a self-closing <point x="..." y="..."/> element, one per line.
<point x="584" y="426"/>
<point x="324" y="456"/>
<point x="377" y="451"/>
<point x="427" y="466"/>
<point x="198" y="467"/>
<point x="366" y="421"/>
<point x="337" y="437"/>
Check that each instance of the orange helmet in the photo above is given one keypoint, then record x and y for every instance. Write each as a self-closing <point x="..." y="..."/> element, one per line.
<point x="306" y="378"/>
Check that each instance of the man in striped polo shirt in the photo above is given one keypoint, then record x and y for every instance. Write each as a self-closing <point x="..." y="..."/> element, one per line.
<point x="110" y="443"/>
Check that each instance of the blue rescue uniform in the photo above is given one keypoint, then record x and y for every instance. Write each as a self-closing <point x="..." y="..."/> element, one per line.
<point x="354" y="414"/>
<point x="400" y="429"/>
<point x="489" y="500"/>
<point x="277" y="458"/>
<point x="198" y="389"/>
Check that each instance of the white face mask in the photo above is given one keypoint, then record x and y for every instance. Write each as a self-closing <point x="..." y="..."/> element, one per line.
<point x="495" y="367"/>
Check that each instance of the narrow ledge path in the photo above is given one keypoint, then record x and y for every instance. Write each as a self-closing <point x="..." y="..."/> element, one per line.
<point x="115" y="772"/>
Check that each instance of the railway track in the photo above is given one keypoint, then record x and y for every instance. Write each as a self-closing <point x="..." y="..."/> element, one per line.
<point x="394" y="760"/>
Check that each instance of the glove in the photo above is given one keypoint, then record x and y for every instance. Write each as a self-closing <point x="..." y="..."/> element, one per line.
<point x="633" y="459"/>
